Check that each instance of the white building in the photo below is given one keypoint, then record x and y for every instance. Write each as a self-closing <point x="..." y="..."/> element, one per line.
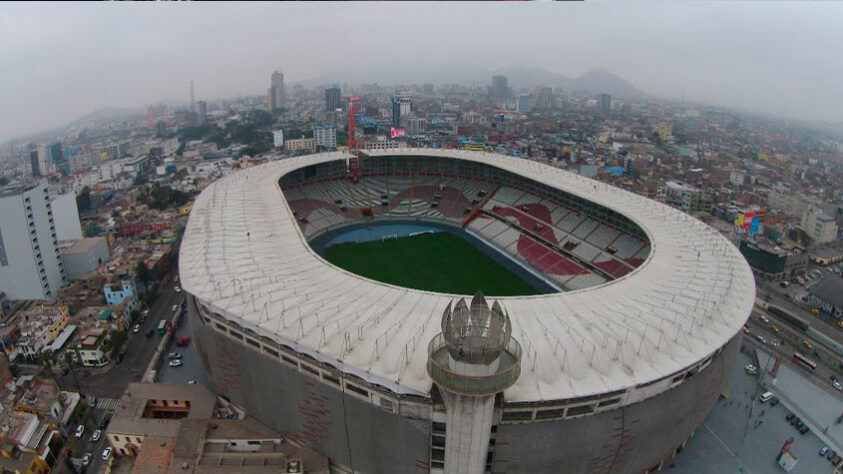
<point x="84" y="256"/>
<point x="416" y="126"/>
<point x="819" y="227"/>
<point x="66" y="215"/>
<point x="325" y="136"/>
<point x="30" y="266"/>
<point x="278" y="138"/>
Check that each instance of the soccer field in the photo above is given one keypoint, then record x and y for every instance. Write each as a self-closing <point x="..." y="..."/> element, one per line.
<point x="441" y="262"/>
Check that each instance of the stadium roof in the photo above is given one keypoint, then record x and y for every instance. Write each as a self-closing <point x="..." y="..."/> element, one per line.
<point x="245" y="257"/>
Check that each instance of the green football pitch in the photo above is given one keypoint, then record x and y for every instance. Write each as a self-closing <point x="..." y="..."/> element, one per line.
<point x="441" y="262"/>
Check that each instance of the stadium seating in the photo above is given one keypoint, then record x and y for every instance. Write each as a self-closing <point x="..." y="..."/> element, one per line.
<point x="510" y="219"/>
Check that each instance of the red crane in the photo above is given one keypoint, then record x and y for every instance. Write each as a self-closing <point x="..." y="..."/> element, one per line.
<point x="353" y="161"/>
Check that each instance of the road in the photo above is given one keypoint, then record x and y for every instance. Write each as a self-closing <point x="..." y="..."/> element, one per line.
<point x="108" y="384"/>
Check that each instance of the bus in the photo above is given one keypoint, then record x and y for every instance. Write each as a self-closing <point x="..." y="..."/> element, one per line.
<point x="162" y="327"/>
<point x="804" y="361"/>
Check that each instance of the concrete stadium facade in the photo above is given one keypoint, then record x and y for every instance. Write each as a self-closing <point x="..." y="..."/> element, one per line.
<point x="369" y="420"/>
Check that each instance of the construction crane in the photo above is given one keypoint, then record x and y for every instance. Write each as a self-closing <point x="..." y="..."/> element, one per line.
<point x="353" y="160"/>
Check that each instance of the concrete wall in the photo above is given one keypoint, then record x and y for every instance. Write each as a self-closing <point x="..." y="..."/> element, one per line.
<point x="630" y="439"/>
<point x="66" y="216"/>
<point x="368" y="439"/>
<point x="349" y="431"/>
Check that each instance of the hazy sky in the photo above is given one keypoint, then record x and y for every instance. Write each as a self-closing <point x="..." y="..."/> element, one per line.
<point x="61" y="61"/>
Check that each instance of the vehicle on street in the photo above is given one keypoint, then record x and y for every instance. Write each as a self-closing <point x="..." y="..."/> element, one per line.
<point x="80" y="430"/>
<point x="807" y="344"/>
<point x="774" y="401"/>
<point x="784" y="284"/>
<point x="150" y="333"/>
<point x="761" y="339"/>
<point x="804" y="429"/>
<point x="746" y="329"/>
<point x="175" y="308"/>
<point x="174" y="355"/>
<point x="93" y="402"/>
<point x="192" y="382"/>
<point x="835" y="461"/>
<point x="162" y="327"/>
<point x="764" y="319"/>
<point x="830" y="455"/>
<point x="106" y="453"/>
<point x="750" y="369"/>
<point x="136" y="329"/>
<point x="799" y="424"/>
<point x="182" y="341"/>
<point x="774" y="329"/>
<point x="824" y="451"/>
<point x="105" y="420"/>
<point x="177" y="289"/>
<point x="765" y="397"/>
<point x="86" y="459"/>
<point x="804" y="361"/>
<point x="790" y="416"/>
<point x="145" y="313"/>
<point x="175" y="363"/>
<point x="96" y="436"/>
<point x="836" y="385"/>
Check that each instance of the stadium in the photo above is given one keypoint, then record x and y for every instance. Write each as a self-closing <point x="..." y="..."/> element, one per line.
<point x="317" y="287"/>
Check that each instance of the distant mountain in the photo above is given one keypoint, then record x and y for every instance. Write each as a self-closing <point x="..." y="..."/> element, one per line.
<point x="109" y="113"/>
<point x="603" y="81"/>
<point x="530" y="77"/>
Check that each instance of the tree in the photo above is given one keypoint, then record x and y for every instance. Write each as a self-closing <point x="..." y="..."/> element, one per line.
<point x="141" y="179"/>
<point x="142" y="273"/>
<point x="83" y="200"/>
<point x="71" y="363"/>
<point x="46" y="359"/>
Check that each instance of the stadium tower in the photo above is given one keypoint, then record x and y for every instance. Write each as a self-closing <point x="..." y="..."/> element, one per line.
<point x="471" y="360"/>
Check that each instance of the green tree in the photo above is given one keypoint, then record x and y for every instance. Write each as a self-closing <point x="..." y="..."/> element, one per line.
<point x="71" y="364"/>
<point x="83" y="200"/>
<point x="46" y="359"/>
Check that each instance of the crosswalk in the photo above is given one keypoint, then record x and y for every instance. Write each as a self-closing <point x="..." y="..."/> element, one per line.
<point x="107" y="404"/>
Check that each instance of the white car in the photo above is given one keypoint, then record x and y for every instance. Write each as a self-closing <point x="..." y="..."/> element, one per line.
<point x="174" y="355"/>
<point x="177" y="289"/>
<point x="175" y="363"/>
<point x="761" y="338"/>
<point x="192" y="382"/>
<point x="175" y="308"/>
<point x="136" y="329"/>
<point x="80" y="430"/>
<point x="750" y="369"/>
<point x="96" y="436"/>
<point x="106" y="453"/>
<point x="836" y="384"/>
<point x="87" y="459"/>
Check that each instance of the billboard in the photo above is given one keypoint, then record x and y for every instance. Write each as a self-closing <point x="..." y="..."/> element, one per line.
<point x="397" y="132"/>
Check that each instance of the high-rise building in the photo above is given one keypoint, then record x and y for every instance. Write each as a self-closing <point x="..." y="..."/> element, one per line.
<point x="35" y="163"/>
<point x="500" y="87"/>
<point x="545" y="98"/>
<point x="278" y="138"/>
<point x="202" y="114"/>
<point x="416" y="126"/>
<point x="604" y="104"/>
<point x="30" y="266"/>
<point x="400" y="107"/>
<point x="333" y="98"/>
<point x="820" y="228"/>
<point x="325" y="136"/>
<point x="275" y="93"/>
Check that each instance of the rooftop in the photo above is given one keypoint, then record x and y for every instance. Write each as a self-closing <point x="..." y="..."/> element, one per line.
<point x="84" y="245"/>
<point x="129" y="414"/>
<point x="691" y="296"/>
<point x="830" y="289"/>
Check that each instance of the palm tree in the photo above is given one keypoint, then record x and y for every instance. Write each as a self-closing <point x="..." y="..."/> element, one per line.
<point x="47" y="358"/>
<point x="68" y="359"/>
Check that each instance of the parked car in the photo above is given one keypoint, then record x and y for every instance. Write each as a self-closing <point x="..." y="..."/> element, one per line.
<point x="790" y="416"/>
<point x="761" y="338"/>
<point x="836" y="385"/>
<point x="96" y="436"/>
<point x="86" y="459"/>
<point x="764" y="319"/>
<point x="807" y="344"/>
<point x="145" y="313"/>
<point x="177" y="289"/>
<point x="182" y="341"/>
<point x="174" y="355"/>
<point x="136" y="329"/>
<point x="192" y="382"/>
<point x="774" y="328"/>
<point x="830" y="455"/>
<point x="750" y="369"/>
<point x="106" y="453"/>
<point x="175" y="308"/>
<point x="824" y="451"/>
<point x="774" y="401"/>
<point x="835" y="461"/>
<point x="803" y="430"/>
<point x="93" y="402"/>
<point x="175" y="363"/>
<point x="80" y="430"/>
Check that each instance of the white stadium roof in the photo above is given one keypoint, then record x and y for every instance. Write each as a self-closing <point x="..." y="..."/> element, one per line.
<point x="244" y="256"/>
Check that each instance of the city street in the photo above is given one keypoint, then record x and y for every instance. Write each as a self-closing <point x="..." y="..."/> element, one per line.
<point x="111" y="382"/>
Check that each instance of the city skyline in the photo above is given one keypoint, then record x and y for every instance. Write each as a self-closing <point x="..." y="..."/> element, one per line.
<point x="737" y="56"/>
